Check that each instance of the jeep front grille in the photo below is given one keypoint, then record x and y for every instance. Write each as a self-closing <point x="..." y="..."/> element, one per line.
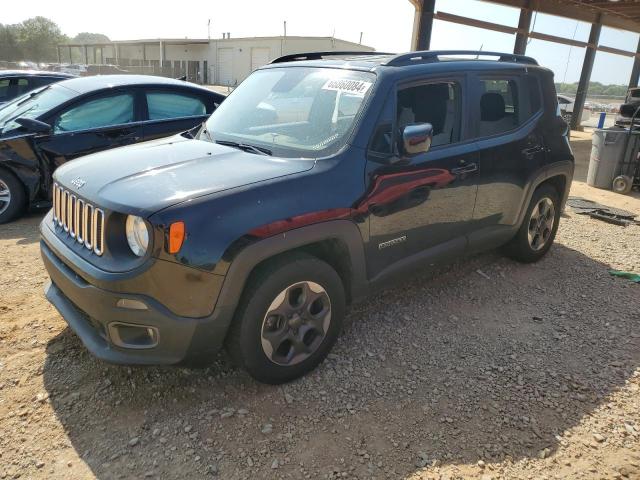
<point x="78" y="219"/>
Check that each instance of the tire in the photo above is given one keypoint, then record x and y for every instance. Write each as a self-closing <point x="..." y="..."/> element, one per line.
<point x="525" y="248"/>
<point x="622" y="184"/>
<point x="295" y="290"/>
<point x="12" y="197"/>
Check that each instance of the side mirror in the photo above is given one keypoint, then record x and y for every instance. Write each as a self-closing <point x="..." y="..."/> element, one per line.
<point x="416" y="138"/>
<point x="33" y="125"/>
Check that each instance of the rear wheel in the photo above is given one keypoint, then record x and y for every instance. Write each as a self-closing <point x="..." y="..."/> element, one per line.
<point x="12" y="197"/>
<point x="622" y="184"/>
<point x="538" y="230"/>
<point x="289" y="318"/>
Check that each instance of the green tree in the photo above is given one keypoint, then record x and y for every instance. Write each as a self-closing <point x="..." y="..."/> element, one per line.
<point x="87" y="37"/>
<point x="38" y="38"/>
<point x="9" y="48"/>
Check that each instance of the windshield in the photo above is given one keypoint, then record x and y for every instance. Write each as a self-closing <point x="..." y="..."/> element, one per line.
<point x="293" y="112"/>
<point x="32" y="105"/>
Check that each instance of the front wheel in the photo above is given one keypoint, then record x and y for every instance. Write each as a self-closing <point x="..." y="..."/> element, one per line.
<point x="289" y="317"/>
<point x="12" y="197"/>
<point x="538" y="230"/>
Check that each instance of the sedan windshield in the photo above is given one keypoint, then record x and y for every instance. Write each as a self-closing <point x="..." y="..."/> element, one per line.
<point x="293" y="112"/>
<point x="32" y="105"/>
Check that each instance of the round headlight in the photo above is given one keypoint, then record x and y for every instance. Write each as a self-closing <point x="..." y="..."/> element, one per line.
<point x="137" y="235"/>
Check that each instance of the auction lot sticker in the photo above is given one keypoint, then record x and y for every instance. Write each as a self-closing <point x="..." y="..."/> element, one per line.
<point x="353" y="87"/>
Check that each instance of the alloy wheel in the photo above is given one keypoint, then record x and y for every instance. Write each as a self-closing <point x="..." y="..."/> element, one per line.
<point x="543" y="217"/>
<point x="296" y="323"/>
<point x="5" y="196"/>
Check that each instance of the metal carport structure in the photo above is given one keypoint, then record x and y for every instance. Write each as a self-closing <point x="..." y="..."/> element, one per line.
<point x="620" y="14"/>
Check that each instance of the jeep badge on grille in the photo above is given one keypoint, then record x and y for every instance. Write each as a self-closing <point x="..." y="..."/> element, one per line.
<point x="78" y="183"/>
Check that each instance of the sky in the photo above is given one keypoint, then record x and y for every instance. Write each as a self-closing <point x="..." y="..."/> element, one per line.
<point x="385" y="25"/>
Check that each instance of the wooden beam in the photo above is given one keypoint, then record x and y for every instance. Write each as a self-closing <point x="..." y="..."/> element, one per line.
<point x="576" y="10"/>
<point x="585" y="75"/>
<point x="524" y="24"/>
<point x="472" y="22"/>
<point x="617" y="51"/>
<point x="555" y="39"/>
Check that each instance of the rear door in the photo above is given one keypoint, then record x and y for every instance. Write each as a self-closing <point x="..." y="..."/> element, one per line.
<point x="92" y="124"/>
<point x="168" y="112"/>
<point x="507" y="112"/>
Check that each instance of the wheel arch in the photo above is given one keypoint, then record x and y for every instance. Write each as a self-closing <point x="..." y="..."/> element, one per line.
<point x="337" y="242"/>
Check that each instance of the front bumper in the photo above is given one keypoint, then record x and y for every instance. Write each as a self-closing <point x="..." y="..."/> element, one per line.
<point x="89" y="310"/>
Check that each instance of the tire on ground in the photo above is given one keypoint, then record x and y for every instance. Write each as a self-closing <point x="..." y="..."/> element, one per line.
<point x="519" y="247"/>
<point x="17" y="202"/>
<point x="244" y="341"/>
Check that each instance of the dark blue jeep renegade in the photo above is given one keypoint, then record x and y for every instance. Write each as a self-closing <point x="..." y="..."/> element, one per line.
<point x="320" y="177"/>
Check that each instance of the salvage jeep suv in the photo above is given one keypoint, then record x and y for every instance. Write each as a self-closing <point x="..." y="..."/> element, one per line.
<point x="319" y="178"/>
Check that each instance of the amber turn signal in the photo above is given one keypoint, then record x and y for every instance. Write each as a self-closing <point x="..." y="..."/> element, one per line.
<point x="176" y="236"/>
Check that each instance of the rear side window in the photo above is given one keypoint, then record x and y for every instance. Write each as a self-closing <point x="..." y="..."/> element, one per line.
<point x="499" y="106"/>
<point x="533" y="95"/>
<point x="23" y="85"/>
<point x="101" y="112"/>
<point x="163" y="105"/>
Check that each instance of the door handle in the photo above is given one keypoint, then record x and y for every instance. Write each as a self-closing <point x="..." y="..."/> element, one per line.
<point x="471" y="167"/>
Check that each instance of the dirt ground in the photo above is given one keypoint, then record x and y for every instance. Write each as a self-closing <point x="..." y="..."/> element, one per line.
<point x="486" y="369"/>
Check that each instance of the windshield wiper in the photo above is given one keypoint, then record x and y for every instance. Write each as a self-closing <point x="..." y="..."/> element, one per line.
<point x="245" y="147"/>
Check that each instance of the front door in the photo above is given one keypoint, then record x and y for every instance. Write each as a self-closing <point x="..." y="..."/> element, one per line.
<point x="92" y="125"/>
<point x="421" y="207"/>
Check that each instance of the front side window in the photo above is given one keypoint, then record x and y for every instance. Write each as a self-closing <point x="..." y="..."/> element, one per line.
<point x="434" y="103"/>
<point x="499" y="110"/>
<point x="101" y="112"/>
<point x="163" y="105"/>
<point x="294" y="111"/>
<point x="32" y="105"/>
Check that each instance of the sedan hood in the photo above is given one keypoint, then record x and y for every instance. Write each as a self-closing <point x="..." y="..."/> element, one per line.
<point x="150" y="176"/>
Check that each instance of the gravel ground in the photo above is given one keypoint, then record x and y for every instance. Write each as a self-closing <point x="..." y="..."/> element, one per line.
<point x="487" y="369"/>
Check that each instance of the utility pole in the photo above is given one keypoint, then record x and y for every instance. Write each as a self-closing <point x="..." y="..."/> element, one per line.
<point x="360" y="42"/>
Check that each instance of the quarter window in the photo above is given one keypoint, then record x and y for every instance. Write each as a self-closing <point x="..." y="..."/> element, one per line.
<point x="101" y="112"/>
<point x="499" y="109"/>
<point x="434" y="103"/>
<point x="173" y="105"/>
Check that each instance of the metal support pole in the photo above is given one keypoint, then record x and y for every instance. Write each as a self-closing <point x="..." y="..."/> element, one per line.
<point x="86" y="55"/>
<point x="70" y="55"/>
<point x="524" y="25"/>
<point x="635" y="71"/>
<point x="117" y="51"/>
<point x="58" y="51"/>
<point x="422" y="24"/>
<point x="585" y="75"/>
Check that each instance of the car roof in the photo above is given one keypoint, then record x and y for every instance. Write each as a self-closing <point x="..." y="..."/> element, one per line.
<point x="34" y="73"/>
<point x="98" y="82"/>
<point x="433" y="61"/>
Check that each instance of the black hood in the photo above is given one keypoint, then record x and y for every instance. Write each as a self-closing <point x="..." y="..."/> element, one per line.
<point x="150" y="176"/>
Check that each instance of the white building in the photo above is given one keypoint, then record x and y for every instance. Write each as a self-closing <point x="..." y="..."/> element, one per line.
<point x="225" y="61"/>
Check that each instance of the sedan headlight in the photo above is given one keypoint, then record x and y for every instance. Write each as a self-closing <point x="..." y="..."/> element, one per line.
<point x="137" y="235"/>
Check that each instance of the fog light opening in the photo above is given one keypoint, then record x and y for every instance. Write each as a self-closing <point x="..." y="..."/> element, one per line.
<point x="128" y="335"/>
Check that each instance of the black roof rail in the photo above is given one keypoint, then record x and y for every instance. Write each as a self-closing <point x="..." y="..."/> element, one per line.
<point x="295" y="57"/>
<point x="428" y="56"/>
